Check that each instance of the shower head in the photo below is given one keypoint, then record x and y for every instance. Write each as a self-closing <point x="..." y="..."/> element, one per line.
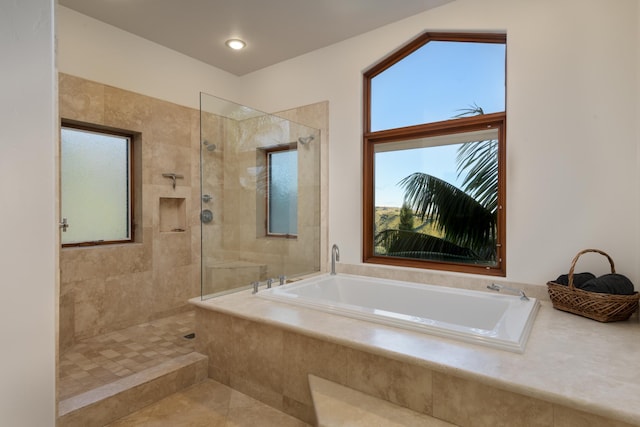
<point x="304" y="140"/>
<point x="210" y="147"/>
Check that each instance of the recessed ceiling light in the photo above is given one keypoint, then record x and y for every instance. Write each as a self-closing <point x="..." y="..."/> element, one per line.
<point x="235" y="44"/>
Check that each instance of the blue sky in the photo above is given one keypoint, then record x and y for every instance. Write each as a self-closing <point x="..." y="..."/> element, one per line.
<point x="432" y="84"/>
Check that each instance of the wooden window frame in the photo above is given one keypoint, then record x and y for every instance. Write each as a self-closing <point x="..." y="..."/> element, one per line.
<point x="131" y="136"/>
<point x="465" y="124"/>
<point x="267" y="152"/>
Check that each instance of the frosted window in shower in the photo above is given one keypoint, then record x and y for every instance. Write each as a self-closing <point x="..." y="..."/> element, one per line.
<point x="282" y="200"/>
<point x="95" y="186"/>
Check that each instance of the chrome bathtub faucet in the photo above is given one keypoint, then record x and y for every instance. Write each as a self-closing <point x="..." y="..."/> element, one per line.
<point x="496" y="287"/>
<point x="335" y="256"/>
<point x="255" y="287"/>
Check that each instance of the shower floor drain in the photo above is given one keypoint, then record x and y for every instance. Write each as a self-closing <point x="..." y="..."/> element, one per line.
<point x="190" y="336"/>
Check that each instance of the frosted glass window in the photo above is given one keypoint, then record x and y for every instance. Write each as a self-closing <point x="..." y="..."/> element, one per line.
<point x="95" y="186"/>
<point x="282" y="197"/>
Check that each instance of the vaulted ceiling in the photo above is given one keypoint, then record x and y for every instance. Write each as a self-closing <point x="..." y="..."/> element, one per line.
<point x="274" y="30"/>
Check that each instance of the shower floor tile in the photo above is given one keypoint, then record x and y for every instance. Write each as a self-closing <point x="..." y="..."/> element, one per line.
<point x="100" y="360"/>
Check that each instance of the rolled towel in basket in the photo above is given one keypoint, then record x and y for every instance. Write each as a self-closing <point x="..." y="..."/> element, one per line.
<point x="578" y="279"/>
<point x="613" y="283"/>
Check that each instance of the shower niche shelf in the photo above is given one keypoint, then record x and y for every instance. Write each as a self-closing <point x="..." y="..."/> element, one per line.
<point x="173" y="215"/>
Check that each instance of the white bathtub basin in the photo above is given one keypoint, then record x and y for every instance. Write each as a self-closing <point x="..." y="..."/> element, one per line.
<point x="496" y="320"/>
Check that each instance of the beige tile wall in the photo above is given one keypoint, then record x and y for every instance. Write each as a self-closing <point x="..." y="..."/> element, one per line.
<point x="232" y="176"/>
<point x="242" y="232"/>
<point x="272" y="365"/>
<point x="105" y="288"/>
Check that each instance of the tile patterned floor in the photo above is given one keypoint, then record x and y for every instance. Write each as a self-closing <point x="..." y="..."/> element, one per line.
<point x="100" y="360"/>
<point x="208" y="404"/>
<point x="106" y="358"/>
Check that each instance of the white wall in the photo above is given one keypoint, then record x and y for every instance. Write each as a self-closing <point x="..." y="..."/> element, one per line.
<point x="572" y="178"/>
<point x="572" y="99"/>
<point x="27" y="214"/>
<point x="96" y="51"/>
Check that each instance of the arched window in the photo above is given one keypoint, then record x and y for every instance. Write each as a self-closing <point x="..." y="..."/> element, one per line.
<point x="434" y="155"/>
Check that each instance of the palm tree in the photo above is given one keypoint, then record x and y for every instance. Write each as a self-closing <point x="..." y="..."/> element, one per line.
<point x="466" y="217"/>
<point x="406" y="217"/>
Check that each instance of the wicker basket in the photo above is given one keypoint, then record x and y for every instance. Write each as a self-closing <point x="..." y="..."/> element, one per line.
<point x="596" y="306"/>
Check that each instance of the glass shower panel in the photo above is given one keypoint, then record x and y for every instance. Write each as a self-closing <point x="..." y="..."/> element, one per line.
<point x="260" y="188"/>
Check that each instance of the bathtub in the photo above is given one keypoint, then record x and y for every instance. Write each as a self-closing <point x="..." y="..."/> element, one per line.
<point x="491" y="319"/>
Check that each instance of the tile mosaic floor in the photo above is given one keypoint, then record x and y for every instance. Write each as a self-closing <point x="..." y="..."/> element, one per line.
<point x="209" y="404"/>
<point x="106" y="358"/>
<point x="100" y="360"/>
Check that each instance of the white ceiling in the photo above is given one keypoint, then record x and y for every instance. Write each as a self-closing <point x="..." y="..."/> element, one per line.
<point x="274" y="30"/>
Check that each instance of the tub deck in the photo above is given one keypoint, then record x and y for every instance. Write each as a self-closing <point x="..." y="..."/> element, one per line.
<point x="569" y="362"/>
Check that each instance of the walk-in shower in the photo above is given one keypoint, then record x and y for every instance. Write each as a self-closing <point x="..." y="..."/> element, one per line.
<point x="260" y="196"/>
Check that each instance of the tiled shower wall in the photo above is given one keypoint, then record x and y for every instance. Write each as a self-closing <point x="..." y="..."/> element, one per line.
<point x="236" y="247"/>
<point x="105" y="288"/>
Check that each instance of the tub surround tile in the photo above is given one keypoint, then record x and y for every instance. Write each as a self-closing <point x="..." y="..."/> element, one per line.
<point x="262" y="361"/>
<point x="567" y="362"/>
<point x="306" y="355"/>
<point x="302" y="411"/>
<point x="257" y="391"/>
<point x="566" y="417"/>
<point x="469" y="403"/>
<point x="258" y="416"/>
<point x="244" y="411"/>
<point x="337" y="405"/>
<point x="400" y="383"/>
<point x="213" y="332"/>
<point x="258" y="353"/>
